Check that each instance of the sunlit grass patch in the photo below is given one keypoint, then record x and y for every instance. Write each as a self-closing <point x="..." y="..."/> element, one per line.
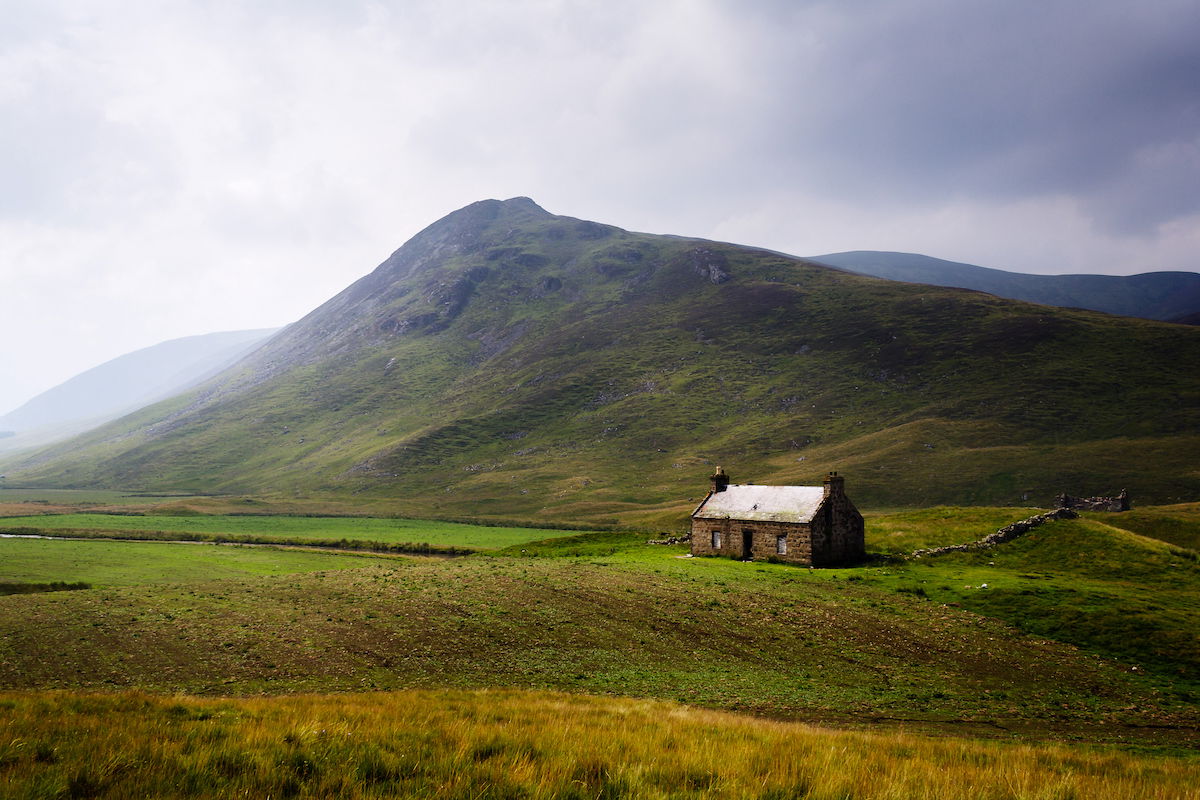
<point x="282" y="529"/>
<point x="906" y="531"/>
<point x="104" y="563"/>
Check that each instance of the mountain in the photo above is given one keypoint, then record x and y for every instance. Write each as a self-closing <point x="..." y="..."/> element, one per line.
<point x="1168" y="296"/>
<point x="124" y="384"/>
<point x="508" y="362"/>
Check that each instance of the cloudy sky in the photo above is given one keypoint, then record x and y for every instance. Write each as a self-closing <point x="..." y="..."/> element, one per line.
<point x="181" y="167"/>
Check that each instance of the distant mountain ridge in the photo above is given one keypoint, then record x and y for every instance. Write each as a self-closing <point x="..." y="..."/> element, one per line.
<point x="125" y="384"/>
<point x="1167" y="296"/>
<point x="512" y="363"/>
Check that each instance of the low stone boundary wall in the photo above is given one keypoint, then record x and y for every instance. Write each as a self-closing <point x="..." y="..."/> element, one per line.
<point x="1005" y="534"/>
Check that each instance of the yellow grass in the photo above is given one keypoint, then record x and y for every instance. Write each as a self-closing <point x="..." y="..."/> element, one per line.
<point x="508" y="743"/>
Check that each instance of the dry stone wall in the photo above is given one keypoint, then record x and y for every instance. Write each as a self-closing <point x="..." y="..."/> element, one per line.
<point x="1005" y="534"/>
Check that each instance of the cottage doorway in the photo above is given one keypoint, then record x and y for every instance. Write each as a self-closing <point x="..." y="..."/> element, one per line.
<point x="747" y="545"/>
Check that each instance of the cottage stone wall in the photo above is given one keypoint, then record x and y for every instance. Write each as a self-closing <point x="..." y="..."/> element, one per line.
<point x="837" y="532"/>
<point x="764" y="538"/>
<point x="834" y="536"/>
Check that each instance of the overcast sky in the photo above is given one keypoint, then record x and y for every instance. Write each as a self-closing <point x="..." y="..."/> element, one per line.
<point x="183" y="167"/>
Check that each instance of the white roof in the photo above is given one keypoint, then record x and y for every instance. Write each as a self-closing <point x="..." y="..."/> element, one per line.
<point x="763" y="503"/>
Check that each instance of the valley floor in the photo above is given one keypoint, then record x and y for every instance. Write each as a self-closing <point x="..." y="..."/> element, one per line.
<point x="1080" y="632"/>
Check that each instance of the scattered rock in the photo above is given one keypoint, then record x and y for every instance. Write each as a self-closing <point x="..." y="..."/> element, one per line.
<point x="685" y="539"/>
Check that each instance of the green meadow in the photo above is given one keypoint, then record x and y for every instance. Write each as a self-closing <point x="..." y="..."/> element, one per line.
<point x="277" y="529"/>
<point x="105" y="563"/>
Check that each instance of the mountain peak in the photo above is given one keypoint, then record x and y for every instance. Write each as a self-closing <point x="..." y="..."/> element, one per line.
<point x="460" y="232"/>
<point x="488" y="211"/>
<point x="524" y="204"/>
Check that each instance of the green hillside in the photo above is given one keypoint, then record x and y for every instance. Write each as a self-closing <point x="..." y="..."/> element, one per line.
<point x="512" y="363"/>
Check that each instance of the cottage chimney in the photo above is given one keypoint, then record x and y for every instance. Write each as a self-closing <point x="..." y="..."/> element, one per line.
<point x="720" y="481"/>
<point x="834" y="485"/>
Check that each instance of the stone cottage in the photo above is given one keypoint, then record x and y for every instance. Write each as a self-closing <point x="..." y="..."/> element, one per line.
<point x="811" y="525"/>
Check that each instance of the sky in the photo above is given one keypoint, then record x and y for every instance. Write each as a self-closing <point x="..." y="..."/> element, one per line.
<point x="188" y="166"/>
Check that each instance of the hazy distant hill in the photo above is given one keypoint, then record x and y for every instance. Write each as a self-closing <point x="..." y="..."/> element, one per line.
<point x="125" y="384"/>
<point x="1152" y="295"/>
<point x="506" y="361"/>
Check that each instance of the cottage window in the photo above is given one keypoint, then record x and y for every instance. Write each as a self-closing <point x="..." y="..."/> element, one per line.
<point x="781" y="545"/>
<point x="716" y="539"/>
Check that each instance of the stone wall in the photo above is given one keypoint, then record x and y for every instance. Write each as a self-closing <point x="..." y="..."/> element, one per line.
<point x="763" y="540"/>
<point x="1005" y="534"/>
<point x="838" y="532"/>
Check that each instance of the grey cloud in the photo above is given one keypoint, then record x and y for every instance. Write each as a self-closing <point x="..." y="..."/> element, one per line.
<point x="262" y="155"/>
<point x="909" y="101"/>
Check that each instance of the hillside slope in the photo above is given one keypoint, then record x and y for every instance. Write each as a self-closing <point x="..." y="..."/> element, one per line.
<point x="1171" y="296"/>
<point x="124" y="384"/>
<point x="507" y="361"/>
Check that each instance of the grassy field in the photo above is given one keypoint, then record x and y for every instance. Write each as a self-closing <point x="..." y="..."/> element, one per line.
<point x="1081" y="631"/>
<point x="902" y="532"/>
<point x="258" y="528"/>
<point x="102" y="563"/>
<point x="1176" y="524"/>
<point x="604" y="612"/>
<point x="1082" y="581"/>
<point x="505" y="743"/>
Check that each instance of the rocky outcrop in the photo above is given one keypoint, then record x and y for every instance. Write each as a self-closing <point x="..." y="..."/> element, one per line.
<point x="1005" y="534"/>
<point x="708" y="263"/>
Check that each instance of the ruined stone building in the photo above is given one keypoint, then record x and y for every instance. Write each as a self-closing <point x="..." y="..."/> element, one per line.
<point x="1115" y="504"/>
<point x="811" y="525"/>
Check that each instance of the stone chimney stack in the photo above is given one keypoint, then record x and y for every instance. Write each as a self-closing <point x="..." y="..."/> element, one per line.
<point x="720" y="481"/>
<point x="834" y="485"/>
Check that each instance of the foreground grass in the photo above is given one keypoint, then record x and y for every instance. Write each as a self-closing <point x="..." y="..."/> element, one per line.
<point x="507" y="743"/>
